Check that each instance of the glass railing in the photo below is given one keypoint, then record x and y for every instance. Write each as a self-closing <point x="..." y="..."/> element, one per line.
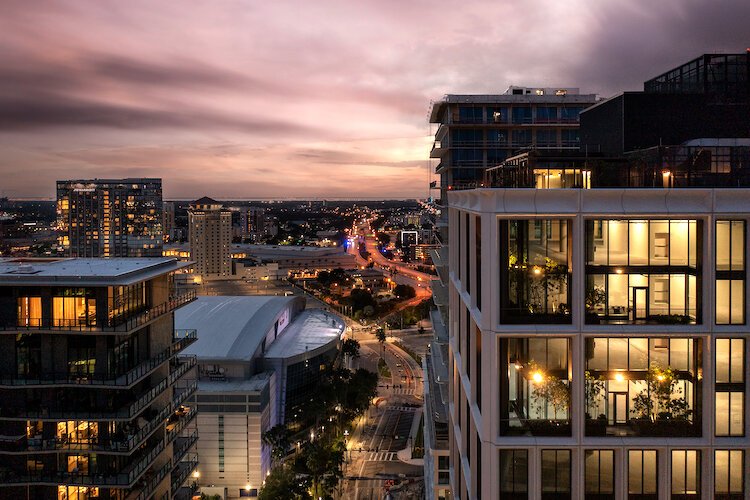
<point x="182" y="471"/>
<point x="123" y="479"/>
<point x="179" y="419"/>
<point x="132" y="323"/>
<point x="149" y="484"/>
<point x="183" y="444"/>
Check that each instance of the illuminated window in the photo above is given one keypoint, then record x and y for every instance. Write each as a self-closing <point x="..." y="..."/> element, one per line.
<point x="29" y="311"/>
<point x="729" y="480"/>
<point x="686" y="474"/>
<point x="642" y="475"/>
<point x="730" y="272"/>
<point x="730" y="387"/>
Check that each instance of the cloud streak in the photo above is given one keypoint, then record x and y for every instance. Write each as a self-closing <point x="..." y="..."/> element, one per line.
<point x="296" y="99"/>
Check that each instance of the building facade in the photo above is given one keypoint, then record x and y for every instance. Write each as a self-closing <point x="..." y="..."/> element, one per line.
<point x="169" y="221"/>
<point x="92" y="380"/>
<point x="476" y="132"/>
<point x="598" y="343"/>
<point x="110" y="217"/>
<point x="596" y="304"/>
<point x="210" y="237"/>
<point x="259" y="359"/>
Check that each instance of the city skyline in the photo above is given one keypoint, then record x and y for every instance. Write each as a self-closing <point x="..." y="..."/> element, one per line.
<point x="311" y="101"/>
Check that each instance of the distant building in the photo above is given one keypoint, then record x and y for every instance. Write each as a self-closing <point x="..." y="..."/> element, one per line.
<point x="169" y="226"/>
<point x="93" y="381"/>
<point x="253" y="223"/>
<point x="110" y="217"/>
<point x="210" y="236"/>
<point x="259" y="358"/>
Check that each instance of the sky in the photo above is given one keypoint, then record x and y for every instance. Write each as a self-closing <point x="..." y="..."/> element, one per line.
<point x="302" y="99"/>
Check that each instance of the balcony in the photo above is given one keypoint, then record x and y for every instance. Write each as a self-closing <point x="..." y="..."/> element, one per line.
<point x="147" y="485"/>
<point x="127" y="380"/>
<point x="125" y="479"/>
<point x="182" y="471"/>
<point x="182" y="444"/>
<point x="133" y="323"/>
<point x="178" y="421"/>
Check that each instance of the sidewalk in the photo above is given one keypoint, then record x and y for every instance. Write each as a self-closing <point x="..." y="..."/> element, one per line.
<point x="405" y="454"/>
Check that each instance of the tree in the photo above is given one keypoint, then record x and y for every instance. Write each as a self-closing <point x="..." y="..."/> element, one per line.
<point x="593" y="391"/>
<point x="380" y="335"/>
<point x="350" y="347"/>
<point x="658" y="401"/>
<point x="404" y="291"/>
<point x="284" y="484"/>
<point x="323" y="460"/>
<point x="277" y="437"/>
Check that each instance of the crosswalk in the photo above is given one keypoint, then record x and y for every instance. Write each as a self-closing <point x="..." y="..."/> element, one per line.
<point x="401" y="390"/>
<point x="402" y="408"/>
<point x="380" y="456"/>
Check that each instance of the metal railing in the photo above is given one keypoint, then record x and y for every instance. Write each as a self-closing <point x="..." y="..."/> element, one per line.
<point x="182" y="422"/>
<point x="184" y="446"/>
<point x="136" y="321"/>
<point x="151" y="484"/>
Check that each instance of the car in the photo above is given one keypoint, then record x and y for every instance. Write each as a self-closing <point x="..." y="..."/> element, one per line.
<point x="398" y="364"/>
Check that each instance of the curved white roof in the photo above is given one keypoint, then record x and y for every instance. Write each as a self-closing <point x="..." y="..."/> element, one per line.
<point x="230" y="328"/>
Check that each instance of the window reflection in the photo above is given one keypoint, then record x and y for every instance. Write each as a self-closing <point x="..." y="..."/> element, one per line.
<point x="729" y="480"/>
<point x="686" y="474"/>
<point x="514" y="470"/>
<point x="600" y="474"/>
<point x="642" y="475"/>
<point x="730" y="387"/>
<point x="730" y="272"/>
<point x="556" y="475"/>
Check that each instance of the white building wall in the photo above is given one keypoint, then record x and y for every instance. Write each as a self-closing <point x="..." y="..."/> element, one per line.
<point x="495" y="204"/>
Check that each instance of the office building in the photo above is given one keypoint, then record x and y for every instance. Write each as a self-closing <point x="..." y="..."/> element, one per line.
<point x="210" y="236"/>
<point x="93" y="380"/>
<point x="259" y="359"/>
<point x="597" y="323"/>
<point x="110" y="217"/>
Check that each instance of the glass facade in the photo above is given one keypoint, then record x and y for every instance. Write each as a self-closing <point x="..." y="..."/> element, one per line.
<point x="686" y="474"/>
<point x="642" y="386"/>
<point x="643" y="271"/>
<point x="730" y="387"/>
<point x="729" y="474"/>
<point x="730" y="272"/>
<point x="642" y="475"/>
<point x="535" y="269"/>
<point x="556" y="475"/>
<point x="599" y="466"/>
<point x="514" y="474"/>
<point x="535" y="386"/>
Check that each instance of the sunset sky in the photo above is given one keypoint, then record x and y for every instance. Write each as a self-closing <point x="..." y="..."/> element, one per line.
<point x="302" y="99"/>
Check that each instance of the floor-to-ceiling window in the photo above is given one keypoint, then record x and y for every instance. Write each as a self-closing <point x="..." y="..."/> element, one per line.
<point x="642" y="475"/>
<point x="535" y="264"/>
<point x="643" y="271"/>
<point x="535" y="386"/>
<point x="647" y="386"/>
<point x="556" y="473"/>
<point x="514" y="474"/>
<point x="730" y="387"/>
<point x="599" y="466"/>
<point x="730" y="272"/>
<point x="729" y="474"/>
<point x="686" y="474"/>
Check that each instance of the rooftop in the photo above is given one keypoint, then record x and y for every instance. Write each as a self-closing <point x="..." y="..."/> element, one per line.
<point x="256" y="383"/>
<point x="313" y="328"/>
<point x="84" y="271"/>
<point x="230" y="328"/>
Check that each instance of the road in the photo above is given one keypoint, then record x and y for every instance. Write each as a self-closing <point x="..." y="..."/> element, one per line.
<point x="385" y="429"/>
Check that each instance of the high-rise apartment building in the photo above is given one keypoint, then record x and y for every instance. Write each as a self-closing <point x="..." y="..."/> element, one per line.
<point x="110" y="217"/>
<point x="476" y="132"/>
<point x="596" y="336"/>
<point x="253" y="223"/>
<point x="92" y="383"/>
<point x="169" y="225"/>
<point x="210" y="236"/>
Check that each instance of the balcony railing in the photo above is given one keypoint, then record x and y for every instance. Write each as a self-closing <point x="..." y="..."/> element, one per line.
<point x="182" y="339"/>
<point x="47" y="324"/>
<point x="182" y="471"/>
<point x="183" y="444"/>
<point x="124" y="479"/>
<point x="148" y="485"/>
